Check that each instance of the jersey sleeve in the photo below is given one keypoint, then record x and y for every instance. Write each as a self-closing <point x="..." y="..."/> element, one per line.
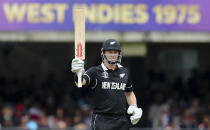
<point x="89" y="76"/>
<point x="129" y="87"/>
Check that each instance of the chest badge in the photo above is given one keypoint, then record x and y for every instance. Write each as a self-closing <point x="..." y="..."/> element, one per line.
<point x="105" y="75"/>
<point x="122" y="75"/>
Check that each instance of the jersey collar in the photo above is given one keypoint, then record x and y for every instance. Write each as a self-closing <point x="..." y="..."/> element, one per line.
<point x="105" y="68"/>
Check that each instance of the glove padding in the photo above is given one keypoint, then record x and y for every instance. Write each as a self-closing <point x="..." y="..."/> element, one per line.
<point x="136" y="113"/>
<point x="77" y="65"/>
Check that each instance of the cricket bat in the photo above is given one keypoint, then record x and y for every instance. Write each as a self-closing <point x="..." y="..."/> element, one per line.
<point x="79" y="37"/>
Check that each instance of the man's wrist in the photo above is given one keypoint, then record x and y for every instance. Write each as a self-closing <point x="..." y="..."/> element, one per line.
<point x="135" y="105"/>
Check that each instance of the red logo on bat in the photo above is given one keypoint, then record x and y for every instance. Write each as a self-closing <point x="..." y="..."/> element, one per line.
<point x="79" y="50"/>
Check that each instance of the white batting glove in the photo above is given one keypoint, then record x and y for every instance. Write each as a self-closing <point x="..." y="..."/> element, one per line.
<point x="136" y="113"/>
<point x="77" y="65"/>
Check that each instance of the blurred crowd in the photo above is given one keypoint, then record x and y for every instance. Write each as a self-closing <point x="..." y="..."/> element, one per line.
<point x="177" y="105"/>
<point x="50" y="104"/>
<point x="46" y="100"/>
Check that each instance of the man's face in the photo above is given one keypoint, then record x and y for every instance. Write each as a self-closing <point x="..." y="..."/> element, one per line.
<point x="111" y="55"/>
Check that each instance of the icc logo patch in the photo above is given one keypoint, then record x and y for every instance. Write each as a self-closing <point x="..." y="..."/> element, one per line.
<point x="105" y="75"/>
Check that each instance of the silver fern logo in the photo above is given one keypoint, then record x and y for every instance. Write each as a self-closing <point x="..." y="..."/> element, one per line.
<point x="122" y="75"/>
<point x="112" y="43"/>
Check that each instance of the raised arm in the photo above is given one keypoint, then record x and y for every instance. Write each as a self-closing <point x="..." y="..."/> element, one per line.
<point x="88" y="77"/>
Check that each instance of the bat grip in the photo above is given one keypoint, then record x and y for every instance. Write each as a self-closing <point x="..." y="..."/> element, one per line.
<point x="79" y="74"/>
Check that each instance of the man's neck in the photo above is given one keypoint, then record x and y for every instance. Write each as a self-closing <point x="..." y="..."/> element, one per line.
<point x="109" y="66"/>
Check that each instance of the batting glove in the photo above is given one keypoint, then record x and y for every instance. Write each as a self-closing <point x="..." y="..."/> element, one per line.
<point x="136" y="113"/>
<point x="77" y="65"/>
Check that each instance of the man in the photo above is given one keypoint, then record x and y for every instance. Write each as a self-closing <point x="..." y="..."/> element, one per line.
<point x="112" y="90"/>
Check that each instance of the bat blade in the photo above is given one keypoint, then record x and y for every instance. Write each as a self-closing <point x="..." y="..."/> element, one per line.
<point x="79" y="26"/>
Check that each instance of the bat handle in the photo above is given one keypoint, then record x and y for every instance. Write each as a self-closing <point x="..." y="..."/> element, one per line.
<point x="79" y="79"/>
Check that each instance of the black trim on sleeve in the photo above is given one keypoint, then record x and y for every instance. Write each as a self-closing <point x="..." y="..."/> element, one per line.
<point x="128" y="89"/>
<point x="89" y="77"/>
<point x="129" y="86"/>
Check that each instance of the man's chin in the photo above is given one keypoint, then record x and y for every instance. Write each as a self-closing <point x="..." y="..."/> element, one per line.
<point x="113" y="60"/>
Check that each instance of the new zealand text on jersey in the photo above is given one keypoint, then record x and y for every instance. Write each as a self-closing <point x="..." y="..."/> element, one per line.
<point x="113" y="85"/>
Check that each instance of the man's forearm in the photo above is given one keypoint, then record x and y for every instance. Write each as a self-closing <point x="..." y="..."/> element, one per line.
<point x="131" y="98"/>
<point x="133" y="110"/>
